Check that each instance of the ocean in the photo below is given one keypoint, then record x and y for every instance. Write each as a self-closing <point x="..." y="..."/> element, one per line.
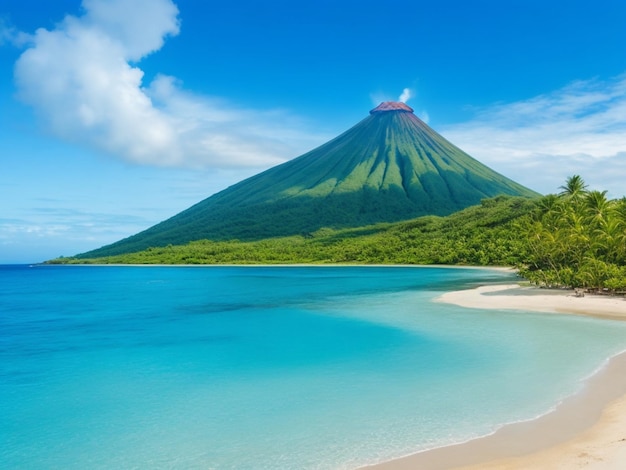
<point x="269" y="367"/>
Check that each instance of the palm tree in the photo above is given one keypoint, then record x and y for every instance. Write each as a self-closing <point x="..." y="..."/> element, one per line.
<point x="574" y="188"/>
<point x="598" y="208"/>
<point x="608" y="241"/>
<point x="577" y="238"/>
<point x="551" y="210"/>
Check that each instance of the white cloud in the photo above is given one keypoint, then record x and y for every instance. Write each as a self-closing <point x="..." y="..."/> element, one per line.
<point x="139" y="25"/>
<point x="83" y="80"/>
<point x="10" y="35"/>
<point x="580" y="129"/>
<point x="6" y="32"/>
<point x="212" y="126"/>
<point x="406" y="95"/>
<point x="380" y="96"/>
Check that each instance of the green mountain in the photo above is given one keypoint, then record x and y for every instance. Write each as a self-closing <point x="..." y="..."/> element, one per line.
<point x="492" y="233"/>
<point x="389" y="167"/>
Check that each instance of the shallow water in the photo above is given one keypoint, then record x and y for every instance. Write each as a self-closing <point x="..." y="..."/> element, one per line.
<point x="268" y="367"/>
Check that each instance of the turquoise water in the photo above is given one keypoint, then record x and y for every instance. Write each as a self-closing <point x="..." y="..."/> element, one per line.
<point x="268" y="367"/>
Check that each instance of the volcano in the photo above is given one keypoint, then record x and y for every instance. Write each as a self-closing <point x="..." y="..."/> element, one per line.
<point x="389" y="167"/>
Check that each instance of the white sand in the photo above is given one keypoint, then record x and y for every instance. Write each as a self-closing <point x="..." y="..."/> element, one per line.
<point x="512" y="297"/>
<point x="587" y="431"/>
<point x="602" y="447"/>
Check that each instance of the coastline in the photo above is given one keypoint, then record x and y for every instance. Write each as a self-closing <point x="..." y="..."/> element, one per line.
<point x="278" y="265"/>
<point x="516" y="297"/>
<point x="587" y="429"/>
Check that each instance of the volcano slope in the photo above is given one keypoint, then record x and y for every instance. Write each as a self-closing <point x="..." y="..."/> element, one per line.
<point x="389" y="167"/>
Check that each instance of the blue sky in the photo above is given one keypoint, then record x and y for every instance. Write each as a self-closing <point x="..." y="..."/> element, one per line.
<point x="117" y="114"/>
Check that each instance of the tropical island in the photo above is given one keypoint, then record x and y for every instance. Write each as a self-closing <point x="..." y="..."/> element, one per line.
<point x="391" y="190"/>
<point x="388" y="300"/>
<point x="573" y="239"/>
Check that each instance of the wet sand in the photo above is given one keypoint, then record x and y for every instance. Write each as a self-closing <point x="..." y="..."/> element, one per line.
<point x="587" y="430"/>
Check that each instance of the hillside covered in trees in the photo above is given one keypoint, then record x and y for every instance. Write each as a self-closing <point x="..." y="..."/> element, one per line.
<point x="485" y="234"/>
<point x="576" y="238"/>
<point x="390" y="167"/>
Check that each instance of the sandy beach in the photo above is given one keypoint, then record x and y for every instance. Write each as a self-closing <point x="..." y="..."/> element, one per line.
<point x="515" y="297"/>
<point x="585" y="431"/>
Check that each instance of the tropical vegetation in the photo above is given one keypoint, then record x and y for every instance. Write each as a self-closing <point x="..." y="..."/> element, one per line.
<point x="577" y="238"/>
<point x="485" y="234"/>
<point x="389" y="167"/>
<point x="573" y="239"/>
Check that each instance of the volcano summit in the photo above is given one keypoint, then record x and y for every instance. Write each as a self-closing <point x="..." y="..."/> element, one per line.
<point x="391" y="166"/>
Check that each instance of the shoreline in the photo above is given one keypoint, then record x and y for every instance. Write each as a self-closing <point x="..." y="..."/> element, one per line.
<point x="516" y="297"/>
<point x="586" y="429"/>
<point x="283" y="265"/>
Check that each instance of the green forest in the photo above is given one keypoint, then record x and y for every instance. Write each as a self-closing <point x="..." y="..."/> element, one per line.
<point x="576" y="238"/>
<point x="388" y="168"/>
<point x="479" y="235"/>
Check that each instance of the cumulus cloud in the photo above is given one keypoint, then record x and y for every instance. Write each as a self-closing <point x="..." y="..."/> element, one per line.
<point x="84" y="81"/>
<point x="579" y="129"/>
